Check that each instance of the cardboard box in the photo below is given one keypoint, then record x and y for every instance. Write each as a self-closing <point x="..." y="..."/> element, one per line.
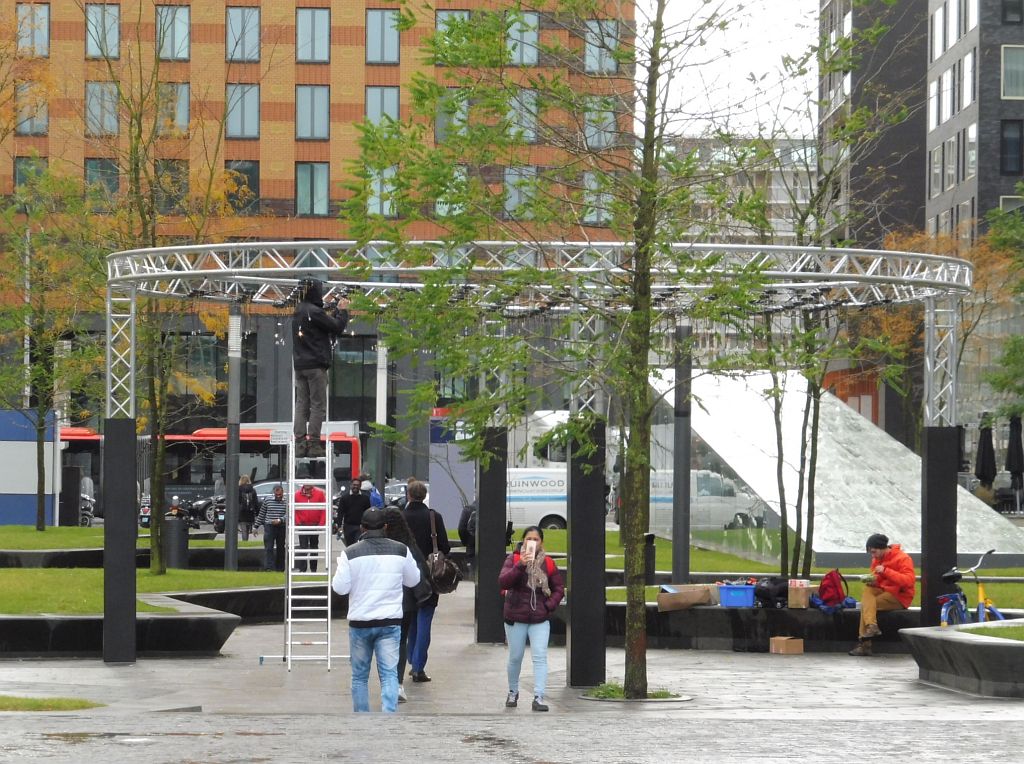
<point x="799" y="597"/>
<point x="684" y="596"/>
<point x="786" y="646"/>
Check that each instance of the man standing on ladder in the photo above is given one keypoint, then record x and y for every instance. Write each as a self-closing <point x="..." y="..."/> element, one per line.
<point x="314" y="327"/>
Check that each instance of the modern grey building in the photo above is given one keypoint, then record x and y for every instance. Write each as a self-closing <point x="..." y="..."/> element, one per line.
<point x="873" y="66"/>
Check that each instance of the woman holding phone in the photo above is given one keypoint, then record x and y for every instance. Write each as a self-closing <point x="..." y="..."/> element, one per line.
<point x="533" y="588"/>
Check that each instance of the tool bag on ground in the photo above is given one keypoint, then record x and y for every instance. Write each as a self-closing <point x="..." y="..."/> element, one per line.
<point x="772" y="592"/>
<point x="444" y="573"/>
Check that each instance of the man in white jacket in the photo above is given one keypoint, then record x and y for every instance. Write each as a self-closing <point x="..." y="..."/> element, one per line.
<point x="372" y="573"/>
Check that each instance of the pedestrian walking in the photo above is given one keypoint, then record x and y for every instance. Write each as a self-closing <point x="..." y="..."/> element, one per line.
<point x="533" y="588"/>
<point x="373" y="573"/>
<point x="350" y="511"/>
<point x="418" y="515"/>
<point x="247" y="506"/>
<point x="273" y="519"/>
<point x="396" y="528"/>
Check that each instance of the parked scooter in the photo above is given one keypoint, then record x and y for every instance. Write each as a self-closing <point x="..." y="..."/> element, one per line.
<point x="85" y="511"/>
<point x="144" y="509"/>
<point x="219" y="522"/>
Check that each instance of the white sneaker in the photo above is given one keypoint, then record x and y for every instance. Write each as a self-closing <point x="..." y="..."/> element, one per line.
<point x="401" y="694"/>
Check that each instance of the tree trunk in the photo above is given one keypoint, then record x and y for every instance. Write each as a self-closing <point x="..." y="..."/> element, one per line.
<point x="812" y="468"/>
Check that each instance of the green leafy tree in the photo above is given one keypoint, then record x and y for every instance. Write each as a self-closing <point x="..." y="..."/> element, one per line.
<point x="542" y="124"/>
<point x="52" y="276"/>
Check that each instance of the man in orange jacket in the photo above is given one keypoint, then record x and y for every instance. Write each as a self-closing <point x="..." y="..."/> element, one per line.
<point x="889" y="586"/>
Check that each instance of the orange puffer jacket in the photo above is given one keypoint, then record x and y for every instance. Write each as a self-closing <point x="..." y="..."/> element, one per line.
<point x="897" y="576"/>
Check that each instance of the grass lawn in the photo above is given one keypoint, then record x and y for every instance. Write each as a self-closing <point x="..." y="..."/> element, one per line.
<point x="1009" y="632"/>
<point x="13" y="703"/>
<point x="79" y="591"/>
<point x="27" y="537"/>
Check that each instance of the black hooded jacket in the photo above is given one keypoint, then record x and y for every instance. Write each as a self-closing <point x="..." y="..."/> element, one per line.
<point x="312" y="327"/>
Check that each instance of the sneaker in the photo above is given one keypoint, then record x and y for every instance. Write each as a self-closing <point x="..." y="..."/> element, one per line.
<point x="512" y="700"/>
<point x="871" y="631"/>
<point x="401" y="694"/>
<point x="862" y="650"/>
<point x="538" y="705"/>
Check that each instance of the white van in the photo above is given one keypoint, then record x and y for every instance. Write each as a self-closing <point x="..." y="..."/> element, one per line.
<point x="537" y="496"/>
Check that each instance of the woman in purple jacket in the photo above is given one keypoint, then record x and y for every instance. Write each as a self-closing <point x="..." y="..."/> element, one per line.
<point x="533" y="588"/>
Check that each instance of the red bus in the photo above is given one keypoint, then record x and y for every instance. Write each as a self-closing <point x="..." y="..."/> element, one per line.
<point x="195" y="462"/>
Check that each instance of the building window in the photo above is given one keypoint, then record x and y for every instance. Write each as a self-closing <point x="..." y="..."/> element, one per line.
<point x="446" y="206"/>
<point x="933" y="105"/>
<point x="243" y="117"/>
<point x="381" y="36"/>
<point x="944" y="224"/>
<point x="452" y="115"/>
<point x="34" y="29"/>
<point x="519" y="187"/>
<point x="971" y="11"/>
<point x="1011" y="159"/>
<point x="599" y="123"/>
<point x="971" y="151"/>
<point x="936" y="171"/>
<point x="967" y="95"/>
<point x="946" y="96"/>
<point x="1013" y="71"/>
<point x="1011" y="203"/>
<point x="938" y="31"/>
<point x="312" y="35"/>
<point x="600" y="45"/>
<point x="951" y="162"/>
<point x="102" y="174"/>
<point x="445" y="19"/>
<point x="102" y="30"/>
<point x="1013" y="11"/>
<point x="101" y="108"/>
<point x="172" y="32"/>
<point x="244" y="188"/>
<point x="952" y="22"/>
<point x="33" y="114"/>
<point x="171" y="185"/>
<point x="523" y="37"/>
<point x="381" y="103"/>
<point x="522" y="115"/>
<point x="311" y="184"/>
<point x="965" y="222"/>
<point x="596" y="200"/>
<point x="242" y="41"/>
<point x="173" y="108"/>
<point x="312" y="112"/>
<point x="26" y="168"/>
<point x="382" y="188"/>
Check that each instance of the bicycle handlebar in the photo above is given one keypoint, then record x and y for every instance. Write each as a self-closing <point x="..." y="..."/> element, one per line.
<point x="980" y="560"/>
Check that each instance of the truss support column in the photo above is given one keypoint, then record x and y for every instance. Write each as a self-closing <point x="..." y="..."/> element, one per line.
<point x="232" y="445"/>
<point x="940" y="453"/>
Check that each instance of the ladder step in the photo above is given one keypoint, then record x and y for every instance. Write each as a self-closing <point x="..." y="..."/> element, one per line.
<point x="308" y="620"/>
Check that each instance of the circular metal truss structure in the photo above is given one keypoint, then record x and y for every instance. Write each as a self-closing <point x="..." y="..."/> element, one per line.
<point x="790" y="278"/>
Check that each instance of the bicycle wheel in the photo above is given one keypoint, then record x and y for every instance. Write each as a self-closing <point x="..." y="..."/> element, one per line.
<point x="952" y="615"/>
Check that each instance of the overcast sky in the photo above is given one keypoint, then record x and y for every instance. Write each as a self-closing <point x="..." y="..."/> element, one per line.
<point x="739" y="71"/>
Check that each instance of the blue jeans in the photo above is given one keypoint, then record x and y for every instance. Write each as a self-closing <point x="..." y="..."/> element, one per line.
<point x="419" y="637"/>
<point x="381" y="641"/>
<point x="516" y="635"/>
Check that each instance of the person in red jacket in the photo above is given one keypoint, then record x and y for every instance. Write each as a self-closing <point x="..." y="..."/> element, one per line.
<point x="309" y="494"/>
<point x="889" y="586"/>
<point x="533" y="588"/>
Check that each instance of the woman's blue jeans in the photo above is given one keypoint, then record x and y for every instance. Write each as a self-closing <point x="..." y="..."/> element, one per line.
<point x="516" y="634"/>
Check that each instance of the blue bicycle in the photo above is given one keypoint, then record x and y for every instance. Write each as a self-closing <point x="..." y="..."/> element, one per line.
<point x="954" y="605"/>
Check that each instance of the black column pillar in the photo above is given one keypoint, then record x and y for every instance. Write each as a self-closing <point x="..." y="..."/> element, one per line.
<point x="120" y="520"/>
<point x="585" y="635"/>
<point x="939" y="455"/>
<point x="681" y="458"/>
<point x="491" y="484"/>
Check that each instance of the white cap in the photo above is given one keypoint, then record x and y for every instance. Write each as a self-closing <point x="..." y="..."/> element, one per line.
<point x="366" y="485"/>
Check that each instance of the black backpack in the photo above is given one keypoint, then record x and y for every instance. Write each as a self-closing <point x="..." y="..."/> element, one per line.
<point x="772" y="592"/>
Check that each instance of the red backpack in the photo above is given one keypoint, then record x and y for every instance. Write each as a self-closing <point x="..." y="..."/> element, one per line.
<point x="833" y="589"/>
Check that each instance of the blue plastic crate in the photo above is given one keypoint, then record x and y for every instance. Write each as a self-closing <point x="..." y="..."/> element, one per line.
<point x="736" y="596"/>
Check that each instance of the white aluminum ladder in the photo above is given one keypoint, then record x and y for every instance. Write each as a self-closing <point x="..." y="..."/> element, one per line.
<point x="307" y="604"/>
